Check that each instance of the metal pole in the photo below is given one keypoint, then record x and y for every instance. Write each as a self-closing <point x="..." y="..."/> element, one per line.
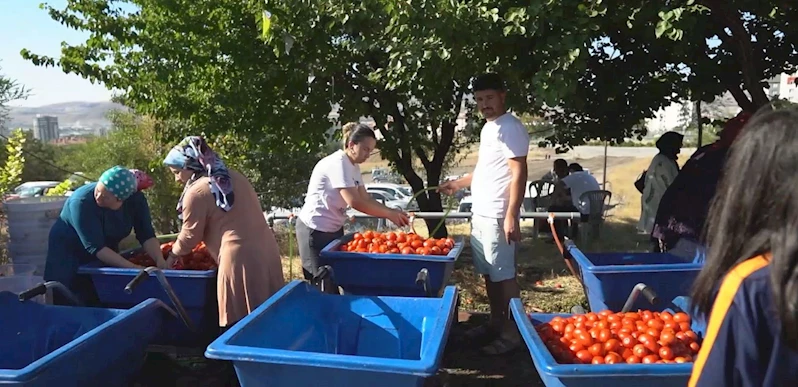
<point x="604" y="179"/>
<point x="698" y="117"/>
<point x="463" y="215"/>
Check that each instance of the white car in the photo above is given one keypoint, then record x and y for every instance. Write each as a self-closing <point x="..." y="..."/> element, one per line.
<point x="396" y="191"/>
<point x="388" y="199"/>
<point x="32" y="189"/>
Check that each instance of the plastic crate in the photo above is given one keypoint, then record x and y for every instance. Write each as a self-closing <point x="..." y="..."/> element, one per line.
<point x="45" y="345"/>
<point x="195" y="289"/>
<point x="301" y="337"/>
<point x="555" y="374"/>
<point x="608" y="278"/>
<point x="369" y="274"/>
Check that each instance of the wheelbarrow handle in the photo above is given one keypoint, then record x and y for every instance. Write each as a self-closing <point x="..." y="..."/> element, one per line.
<point x="136" y="281"/>
<point x="170" y="293"/>
<point x="646" y="291"/>
<point x="325" y="276"/>
<point x="650" y="295"/>
<point x="41" y="289"/>
<point x="37" y="290"/>
<point x="422" y="279"/>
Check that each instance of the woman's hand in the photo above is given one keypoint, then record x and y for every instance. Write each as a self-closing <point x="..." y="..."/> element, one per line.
<point x="399" y="218"/>
<point x="171" y="260"/>
<point x="153" y="248"/>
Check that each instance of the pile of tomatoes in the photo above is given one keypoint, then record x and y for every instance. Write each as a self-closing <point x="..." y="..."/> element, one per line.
<point x="630" y="338"/>
<point x="198" y="259"/>
<point x="397" y="243"/>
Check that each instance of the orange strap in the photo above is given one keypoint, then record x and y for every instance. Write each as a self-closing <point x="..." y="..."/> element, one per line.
<point x="559" y="245"/>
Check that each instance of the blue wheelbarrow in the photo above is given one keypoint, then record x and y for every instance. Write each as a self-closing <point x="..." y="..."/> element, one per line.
<point x="48" y="345"/>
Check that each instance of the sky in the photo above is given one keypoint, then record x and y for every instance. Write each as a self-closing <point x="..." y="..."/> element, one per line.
<point x="24" y="25"/>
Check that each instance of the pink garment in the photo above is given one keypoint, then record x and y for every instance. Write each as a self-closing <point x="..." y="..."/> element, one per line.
<point x="143" y="180"/>
<point x="241" y="242"/>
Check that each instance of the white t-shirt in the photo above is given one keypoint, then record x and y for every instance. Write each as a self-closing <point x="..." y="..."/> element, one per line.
<point x="501" y="139"/>
<point x="325" y="209"/>
<point x="579" y="183"/>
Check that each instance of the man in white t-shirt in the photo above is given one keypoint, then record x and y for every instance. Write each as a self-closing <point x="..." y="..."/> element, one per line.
<point x="497" y="190"/>
<point x="578" y="182"/>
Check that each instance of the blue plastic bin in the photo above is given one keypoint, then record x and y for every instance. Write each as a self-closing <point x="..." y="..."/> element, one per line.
<point x="301" y="337"/>
<point x="46" y="345"/>
<point x="196" y="290"/>
<point x="366" y="274"/>
<point x="608" y="278"/>
<point x="555" y="374"/>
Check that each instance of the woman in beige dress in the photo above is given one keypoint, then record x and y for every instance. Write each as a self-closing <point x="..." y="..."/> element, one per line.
<point x="220" y="207"/>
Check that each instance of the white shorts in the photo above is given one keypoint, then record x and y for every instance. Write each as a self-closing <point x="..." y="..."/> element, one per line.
<point x="493" y="256"/>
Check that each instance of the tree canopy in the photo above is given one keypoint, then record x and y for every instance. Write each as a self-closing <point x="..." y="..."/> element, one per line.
<point x="265" y="74"/>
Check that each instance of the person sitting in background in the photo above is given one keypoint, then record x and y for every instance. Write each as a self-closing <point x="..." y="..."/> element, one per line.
<point x="659" y="175"/>
<point x="558" y="165"/>
<point x="684" y="205"/>
<point x="747" y="289"/>
<point x="560" y="197"/>
<point x="578" y="182"/>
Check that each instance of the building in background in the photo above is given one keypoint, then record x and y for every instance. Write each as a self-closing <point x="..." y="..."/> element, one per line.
<point x="45" y="128"/>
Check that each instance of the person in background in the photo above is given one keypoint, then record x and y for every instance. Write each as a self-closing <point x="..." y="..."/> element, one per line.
<point x="567" y="193"/>
<point x="497" y="188"/>
<point x="95" y="218"/>
<point x="659" y="175"/>
<point x="559" y="165"/>
<point x="683" y="208"/>
<point x="336" y="184"/>
<point x="219" y="207"/>
<point x="748" y="287"/>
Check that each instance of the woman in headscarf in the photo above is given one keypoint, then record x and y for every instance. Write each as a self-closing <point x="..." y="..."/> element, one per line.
<point x="659" y="175"/>
<point x="684" y="207"/>
<point x="95" y="218"/>
<point x="220" y="207"/>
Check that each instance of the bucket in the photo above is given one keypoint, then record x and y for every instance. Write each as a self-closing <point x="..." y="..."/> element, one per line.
<point x="29" y="223"/>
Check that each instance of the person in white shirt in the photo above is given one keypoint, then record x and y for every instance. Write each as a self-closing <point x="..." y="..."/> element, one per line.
<point x="336" y="184"/>
<point x="565" y="198"/>
<point x="497" y="188"/>
<point x="578" y="182"/>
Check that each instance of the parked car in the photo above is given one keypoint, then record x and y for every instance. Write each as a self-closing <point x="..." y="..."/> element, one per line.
<point x="32" y="189"/>
<point x="397" y="191"/>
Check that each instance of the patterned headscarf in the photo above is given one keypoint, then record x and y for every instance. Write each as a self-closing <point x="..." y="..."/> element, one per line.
<point x="194" y="154"/>
<point x="143" y="180"/>
<point x="119" y="181"/>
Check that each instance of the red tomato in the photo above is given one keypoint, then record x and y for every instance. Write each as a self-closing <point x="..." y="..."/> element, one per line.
<point x="613" y="358"/>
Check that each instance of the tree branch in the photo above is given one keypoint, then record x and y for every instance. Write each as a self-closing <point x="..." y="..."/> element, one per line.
<point x="744" y="49"/>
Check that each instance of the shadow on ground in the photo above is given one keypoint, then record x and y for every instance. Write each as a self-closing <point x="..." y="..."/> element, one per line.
<point x="546" y="285"/>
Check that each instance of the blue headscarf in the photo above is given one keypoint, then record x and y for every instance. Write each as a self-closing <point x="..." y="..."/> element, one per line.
<point x="194" y="154"/>
<point x="119" y="181"/>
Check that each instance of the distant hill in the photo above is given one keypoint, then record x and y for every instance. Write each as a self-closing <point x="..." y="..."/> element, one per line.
<point x="70" y="114"/>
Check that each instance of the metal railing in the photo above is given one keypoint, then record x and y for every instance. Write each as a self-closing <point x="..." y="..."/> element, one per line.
<point x="571" y="216"/>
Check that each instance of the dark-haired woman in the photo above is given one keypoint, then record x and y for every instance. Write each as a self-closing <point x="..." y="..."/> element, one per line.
<point x="749" y="285"/>
<point x="336" y="184"/>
